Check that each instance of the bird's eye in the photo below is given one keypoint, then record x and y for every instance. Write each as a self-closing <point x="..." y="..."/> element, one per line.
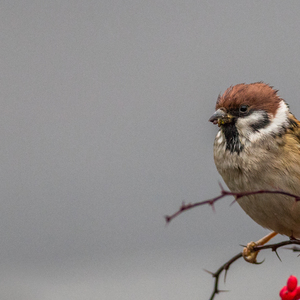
<point x="243" y="108"/>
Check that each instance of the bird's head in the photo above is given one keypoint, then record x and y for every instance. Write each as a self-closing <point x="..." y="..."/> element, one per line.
<point x="251" y="110"/>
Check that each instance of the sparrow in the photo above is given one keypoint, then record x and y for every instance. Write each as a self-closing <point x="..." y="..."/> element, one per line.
<point x="257" y="148"/>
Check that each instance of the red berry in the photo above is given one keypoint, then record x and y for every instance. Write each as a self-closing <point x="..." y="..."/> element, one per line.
<point x="282" y="292"/>
<point x="297" y="297"/>
<point x="286" y="295"/>
<point x="292" y="283"/>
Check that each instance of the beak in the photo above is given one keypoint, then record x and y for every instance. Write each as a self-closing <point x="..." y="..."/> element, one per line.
<point x="220" y="117"/>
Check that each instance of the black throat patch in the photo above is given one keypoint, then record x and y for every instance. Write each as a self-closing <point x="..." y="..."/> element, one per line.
<point x="233" y="143"/>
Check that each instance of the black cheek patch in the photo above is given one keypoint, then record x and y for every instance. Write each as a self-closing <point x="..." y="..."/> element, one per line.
<point x="265" y="121"/>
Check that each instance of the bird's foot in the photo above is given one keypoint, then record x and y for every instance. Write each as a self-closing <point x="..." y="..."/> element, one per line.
<point x="249" y="254"/>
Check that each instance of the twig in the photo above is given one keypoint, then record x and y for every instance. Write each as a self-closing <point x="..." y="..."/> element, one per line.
<point x="216" y="275"/>
<point x="225" y="267"/>
<point x="274" y="247"/>
<point x="237" y="195"/>
<point x="225" y="193"/>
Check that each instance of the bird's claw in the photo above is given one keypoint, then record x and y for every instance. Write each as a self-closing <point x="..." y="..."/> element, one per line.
<point x="250" y="255"/>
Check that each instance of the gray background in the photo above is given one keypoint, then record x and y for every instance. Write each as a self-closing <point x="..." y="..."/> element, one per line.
<point x="104" y="130"/>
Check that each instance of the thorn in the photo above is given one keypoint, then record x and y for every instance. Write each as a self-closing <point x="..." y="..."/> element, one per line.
<point x="288" y="248"/>
<point x="277" y="254"/>
<point x="168" y="219"/>
<point x="225" y="275"/>
<point x="243" y="245"/>
<point x="233" y="202"/>
<point x="212" y="206"/>
<point x="294" y="248"/>
<point x="209" y="272"/>
<point x="223" y="291"/>
<point x="220" y="185"/>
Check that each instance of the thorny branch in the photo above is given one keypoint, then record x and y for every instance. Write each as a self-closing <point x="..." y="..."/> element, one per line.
<point x="226" y="265"/>
<point x="217" y="274"/>
<point x="225" y="193"/>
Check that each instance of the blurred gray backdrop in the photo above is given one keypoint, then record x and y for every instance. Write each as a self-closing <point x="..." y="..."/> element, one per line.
<point x="104" y="130"/>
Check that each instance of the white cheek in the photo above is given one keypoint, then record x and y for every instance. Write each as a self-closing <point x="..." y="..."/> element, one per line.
<point x="243" y="125"/>
<point x="279" y="121"/>
<point x="275" y="126"/>
<point x="246" y="122"/>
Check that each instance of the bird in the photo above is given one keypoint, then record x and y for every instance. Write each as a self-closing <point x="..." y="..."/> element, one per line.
<point x="257" y="148"/>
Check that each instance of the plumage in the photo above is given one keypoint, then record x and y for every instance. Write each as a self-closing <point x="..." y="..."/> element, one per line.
<point x="258" y="148"/>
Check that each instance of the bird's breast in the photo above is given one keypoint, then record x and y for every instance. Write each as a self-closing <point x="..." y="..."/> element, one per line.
<point x="258" y="167"/>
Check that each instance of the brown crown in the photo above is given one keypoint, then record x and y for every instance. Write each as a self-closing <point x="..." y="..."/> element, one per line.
<point x="258" y="96"/>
